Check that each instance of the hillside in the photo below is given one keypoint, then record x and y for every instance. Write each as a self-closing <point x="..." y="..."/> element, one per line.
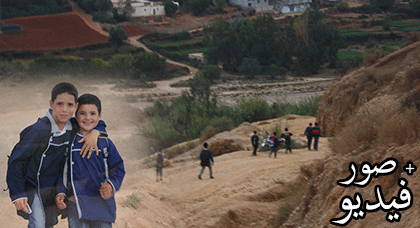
<point x="373" y="113"/>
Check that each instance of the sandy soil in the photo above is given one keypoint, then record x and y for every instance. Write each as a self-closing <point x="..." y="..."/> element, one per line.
<point x="181" y="199"/>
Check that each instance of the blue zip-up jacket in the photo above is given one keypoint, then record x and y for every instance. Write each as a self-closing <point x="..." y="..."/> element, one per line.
<point x="34" y="168"/>
<point x="85" y="176"/>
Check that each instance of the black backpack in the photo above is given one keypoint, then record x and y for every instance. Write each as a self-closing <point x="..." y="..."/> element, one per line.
<point x="254" y="140"/>
<point x="205" y="157"/>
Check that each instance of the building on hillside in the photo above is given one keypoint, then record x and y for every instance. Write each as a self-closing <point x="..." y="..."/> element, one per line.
<point x="10" y="29"/>
<point x="143" y="8"/>
<point x="291" y="6"/>
<point x="326" y="2"/>
<point x="402" y="4"/>
<point x="260" y="6"/>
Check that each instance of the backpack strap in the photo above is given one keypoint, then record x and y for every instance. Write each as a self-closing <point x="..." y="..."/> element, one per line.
<point x="43" y="144"/>
<point x="106" y="154"/>
<point x="73" y="133"/>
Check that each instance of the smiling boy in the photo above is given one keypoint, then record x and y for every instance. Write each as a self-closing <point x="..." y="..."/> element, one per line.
<point x="90" y="184"/>
<point x="39" y="156"/>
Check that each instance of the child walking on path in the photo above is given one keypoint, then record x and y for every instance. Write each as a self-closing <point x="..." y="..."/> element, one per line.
<point x="159" y="164"/>
<point x="90" y="184"/>
<point x="254" y="141"/>
<point x="274" y="143"/>
<point x="308" y="134"/>
<point x="288" y="141"/>
<point x="206" y="157"/>
<point x="316" y="133"/>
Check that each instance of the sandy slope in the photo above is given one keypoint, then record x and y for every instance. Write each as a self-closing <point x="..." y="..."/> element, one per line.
<point x="181" y="199"/>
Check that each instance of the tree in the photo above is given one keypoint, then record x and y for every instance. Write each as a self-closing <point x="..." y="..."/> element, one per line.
<point x="151" y="64"/>
<point x="211" y="72"/>
<point x="261" y="38"/>
<point x="383" y="4"/>
<point x="343" y="7"/>
<point x="103" y="5"/>
<point x="88" y="5"/>
<point x="317" y="42"/>
<point x="273" y="70"/>
<point x="220" y="5"/>
<point x="117" y="36"/>
<point x="197" y="7"/>
<point x="200" y="87"/>
<point x="415" y="6"/>
<point x="250" y="67"/>
<point x="170" y="8"/>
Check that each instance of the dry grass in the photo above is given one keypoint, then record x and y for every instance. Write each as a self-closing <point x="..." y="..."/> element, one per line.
<point x="373" y="55"/>
<point x="367" y="131"/>
<point x="180" y="149"/>
<point x="132" y="201"/>
<point x="412" y="76"/>
<point x="222" y="147"/>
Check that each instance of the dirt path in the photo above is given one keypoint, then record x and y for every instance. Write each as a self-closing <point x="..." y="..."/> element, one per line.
<point x="182" y="200"/>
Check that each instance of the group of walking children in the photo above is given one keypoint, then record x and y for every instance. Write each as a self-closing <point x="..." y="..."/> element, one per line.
<point x="66" y="165"/>
<point x="273" y="142"/>
<point x="313" y="132"/>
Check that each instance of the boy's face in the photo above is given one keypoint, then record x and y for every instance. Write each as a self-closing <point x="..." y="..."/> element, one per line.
<point x="87" y="117"/>
<point x="63" y="108"/>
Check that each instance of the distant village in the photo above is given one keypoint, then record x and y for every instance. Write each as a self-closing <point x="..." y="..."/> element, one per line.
<point x="143" y="8"/>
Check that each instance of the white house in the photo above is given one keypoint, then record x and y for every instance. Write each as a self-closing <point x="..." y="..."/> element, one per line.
<point x="142" y="8"/>
<point x="291" y="6"/>
<point x="259" y="6"/>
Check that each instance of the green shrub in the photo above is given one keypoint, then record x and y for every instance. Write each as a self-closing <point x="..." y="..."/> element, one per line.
<point x="253" y="109"/>
<point x="163" y="131"/>
<point x="100" y="64"/>
<point x="343" y="7"/>
<point x="122" y="62"/>
<point x="3" y="67"/>
<point x="307" y="107"/>
<point x="215" y="126"/>
<point x="102" y="18"/>
<point x="211" y="72"/>
<point x="17" y="66"/>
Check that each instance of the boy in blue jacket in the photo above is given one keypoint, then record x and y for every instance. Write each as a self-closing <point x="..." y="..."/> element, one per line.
<point x="38" y="157"/>
<point x="90" y="184"/>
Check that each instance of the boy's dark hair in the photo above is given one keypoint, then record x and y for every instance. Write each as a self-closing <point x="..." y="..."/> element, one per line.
<point x="310" y="124"/>
<point x="274" y="133"/>
<point x="286" y="129"/>
<point x="316" y="124"/>
<point x="64" y="87"/>
<point x="255" y="132"/>
<point x="89" y="99"/>
<point x="205" y="145"/>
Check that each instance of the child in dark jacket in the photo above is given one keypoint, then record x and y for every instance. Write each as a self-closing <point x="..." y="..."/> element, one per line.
<point x="288" y="140"/>
<point x="206" y="157"/>
<point x="90" y="184"/>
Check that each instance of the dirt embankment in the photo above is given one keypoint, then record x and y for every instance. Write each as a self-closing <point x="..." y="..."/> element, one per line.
<point x="373" y="113"/>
